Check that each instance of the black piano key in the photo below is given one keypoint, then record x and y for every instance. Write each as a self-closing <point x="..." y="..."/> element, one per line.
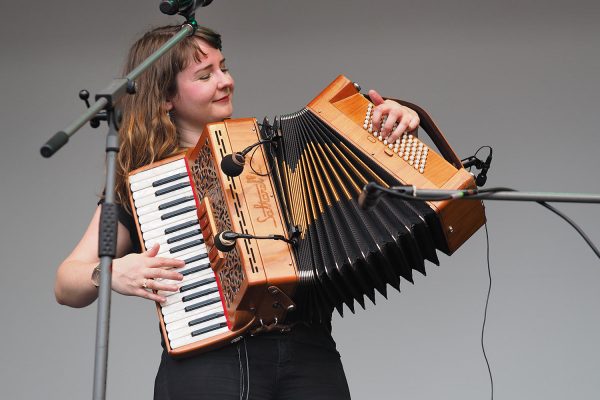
<point x="187" y="235"/>
<point x="195" y="269"/>
<point x="205" y="318"/>
<point x="202" y="304"/>
<point x="209" y="328"/>
<point x="173" y="203"/>
<point x="197" y="295"/>
<point x="186" y="246"/>
<point x="197" y="284"/>
<point x="171" y="188"/>
<point x="168" y="179"/>
<point x="178" y="212"/>
<point x="179" y="227"/>
<point x="196" y="258"/>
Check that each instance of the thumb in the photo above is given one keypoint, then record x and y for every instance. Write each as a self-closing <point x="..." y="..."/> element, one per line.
<point x="153" y="251"/>
<point x="375" y="97"/>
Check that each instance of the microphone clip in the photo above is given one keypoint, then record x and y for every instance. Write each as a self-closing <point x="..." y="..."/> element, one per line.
<point x="482" y="166"/>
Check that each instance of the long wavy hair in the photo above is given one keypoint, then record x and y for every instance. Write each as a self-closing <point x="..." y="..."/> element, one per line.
<point x="147" y="132"/>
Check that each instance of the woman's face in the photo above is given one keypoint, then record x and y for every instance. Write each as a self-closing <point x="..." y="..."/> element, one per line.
<point x="204" y="91"/>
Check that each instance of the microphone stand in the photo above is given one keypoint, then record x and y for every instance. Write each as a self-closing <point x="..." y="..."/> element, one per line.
<point x="103" y="109"/>
<point x="372" y="192"/>
<point x="408" y="192"/>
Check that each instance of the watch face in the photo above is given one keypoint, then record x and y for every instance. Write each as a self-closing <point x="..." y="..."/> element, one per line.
<point x="96" y="276"/>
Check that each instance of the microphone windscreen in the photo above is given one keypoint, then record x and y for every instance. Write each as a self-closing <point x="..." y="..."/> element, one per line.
<point x="230" y="167"/>
<point x="223" y="244"/>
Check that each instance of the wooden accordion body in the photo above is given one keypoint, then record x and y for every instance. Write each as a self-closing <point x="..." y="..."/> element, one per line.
<point x="308" y="183"/>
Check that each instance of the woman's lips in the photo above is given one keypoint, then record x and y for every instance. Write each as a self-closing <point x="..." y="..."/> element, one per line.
<point x="222" y="100"/>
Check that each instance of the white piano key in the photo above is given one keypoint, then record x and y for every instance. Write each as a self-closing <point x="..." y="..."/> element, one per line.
<point x="160" y="223"/>
<point x="151" y="191"/>
<point x="187" y="330"/>
<point x="189" y="266"/>
<point x="176" y="298"/>
<point x="144" y="183"/>
<point x="182" y="305"/>
<point x="186" y="280"/>
<point x="149" y="173"/>
<point x="161" y="230"/>
<point x="184" y="254"/>
<point x="179" y="315"/>
<point x="151" y="199"/>
<point x="143" y="219"/>
<point x="182" y="247"/>
<point x="153" y="207"/>
<point x="162" y="240"/>
<point x="193" y="315"/>
<point x="193" y="339"/>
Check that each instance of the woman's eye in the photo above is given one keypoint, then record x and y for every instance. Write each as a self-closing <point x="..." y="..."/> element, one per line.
<point x="225" y="70"/>
<point x="204" y="77"/>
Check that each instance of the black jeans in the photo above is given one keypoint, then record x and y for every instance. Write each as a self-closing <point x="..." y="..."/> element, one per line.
<point x="301" y="364"/>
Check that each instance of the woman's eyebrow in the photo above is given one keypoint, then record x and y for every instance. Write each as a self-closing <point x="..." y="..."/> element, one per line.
<point x="209" y="66"/>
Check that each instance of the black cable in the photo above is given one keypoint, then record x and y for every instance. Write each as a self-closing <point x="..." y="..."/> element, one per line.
<point x="487" y="301"/>
<point x="480" y="194"/>
<point x="475" y="155"/>
<point x="269" y="166"/>
<point x="574" y="225"/>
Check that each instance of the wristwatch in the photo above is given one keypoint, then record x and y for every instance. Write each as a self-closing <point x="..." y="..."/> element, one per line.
<point x="96" y="276"/>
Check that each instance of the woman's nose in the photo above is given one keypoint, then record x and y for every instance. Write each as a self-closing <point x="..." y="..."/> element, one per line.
<point x="226" y="81"/>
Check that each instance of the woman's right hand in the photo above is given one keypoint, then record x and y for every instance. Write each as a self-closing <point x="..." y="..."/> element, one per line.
<point x="134" y="271"/>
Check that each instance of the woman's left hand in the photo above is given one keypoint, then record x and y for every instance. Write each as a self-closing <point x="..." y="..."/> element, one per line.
<point x="407" y="119"/>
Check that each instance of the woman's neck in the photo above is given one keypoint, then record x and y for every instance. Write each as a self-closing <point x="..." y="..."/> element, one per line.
<point x="188" y="137"/>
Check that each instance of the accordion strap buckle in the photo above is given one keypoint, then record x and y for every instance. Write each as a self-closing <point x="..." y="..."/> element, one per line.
<point x="278" y="304"/>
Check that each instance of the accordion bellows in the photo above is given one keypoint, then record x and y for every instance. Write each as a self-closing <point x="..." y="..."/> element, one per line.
<point x="305" y="185"/>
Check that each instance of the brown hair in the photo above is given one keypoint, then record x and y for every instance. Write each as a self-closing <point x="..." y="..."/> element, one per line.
<point x="147" y="133"/>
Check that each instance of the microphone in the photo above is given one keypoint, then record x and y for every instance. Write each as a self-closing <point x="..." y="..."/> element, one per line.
<point x="233" y="164"/>
<point x="369" y="197"/>
<point x="225" y="240"/>
<point x="182" y="7"/>
<point x="483" y="166"/>
<point x="482" y="176"/>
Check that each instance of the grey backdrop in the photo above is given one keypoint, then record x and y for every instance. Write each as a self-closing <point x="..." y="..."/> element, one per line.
<point x="521" y="76"/>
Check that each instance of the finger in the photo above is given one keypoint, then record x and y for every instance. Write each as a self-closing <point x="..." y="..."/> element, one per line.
<point x="380" y="114"/>
<point x="404" y="123"/>
<point x="388" y="125"/>
<point x="396" y="134"/>
<point x="168" y="263"/>
<point x="153" y="251"/>
<point x="156" y="285"/>
<point x="414" y="123"/>
<point x="148" y="294"/>
<point x="375" y="97"/>
<point x="159" y="273"/>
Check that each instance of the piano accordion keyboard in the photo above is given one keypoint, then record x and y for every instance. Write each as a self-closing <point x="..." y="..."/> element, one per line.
<point x="166" y="214"/>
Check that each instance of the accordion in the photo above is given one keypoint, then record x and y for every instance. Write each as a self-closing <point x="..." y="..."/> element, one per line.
<point x="301" y="185"/>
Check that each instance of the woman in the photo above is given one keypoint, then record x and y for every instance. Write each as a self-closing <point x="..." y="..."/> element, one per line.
<point x="185" y="90"/>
